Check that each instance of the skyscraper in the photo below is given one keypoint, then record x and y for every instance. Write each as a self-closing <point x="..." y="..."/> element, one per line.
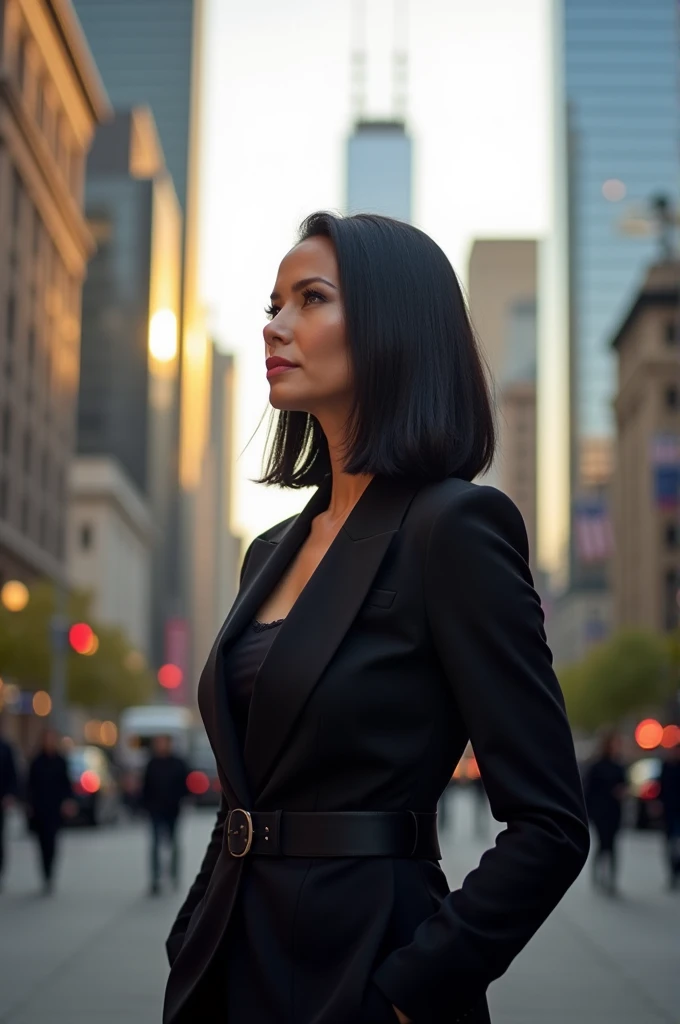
<point x="616" y="125"/>
<point x="149" y="52"/>
<point x="127" y="436"/>
<point x="379" y="161"/>
<point x="144" y="52"/>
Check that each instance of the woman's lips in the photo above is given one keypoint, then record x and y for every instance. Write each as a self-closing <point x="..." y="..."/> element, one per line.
<point x="281" y="368"/>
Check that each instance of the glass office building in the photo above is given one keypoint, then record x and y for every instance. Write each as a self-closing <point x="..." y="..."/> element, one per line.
<point x="379" y="169"/>
<point x="623" y="119"/>
<point x="143" y="50"/>
<point x="615" y="145"/>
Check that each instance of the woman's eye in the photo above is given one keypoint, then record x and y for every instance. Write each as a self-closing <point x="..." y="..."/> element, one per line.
<point x="271" y="311"/>
<point x="313" y="297"/>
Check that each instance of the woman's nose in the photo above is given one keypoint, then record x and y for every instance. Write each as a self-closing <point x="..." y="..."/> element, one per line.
<point x="277" y="331"/>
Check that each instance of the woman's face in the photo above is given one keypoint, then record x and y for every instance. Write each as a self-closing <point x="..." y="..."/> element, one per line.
<point x="307" y="330"/>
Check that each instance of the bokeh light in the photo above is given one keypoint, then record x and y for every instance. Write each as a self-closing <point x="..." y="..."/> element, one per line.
<point x="163" y="335"/>
<point x="671" y="736"/>
<point x="80" y="637"/>
<point x="42" y="703"/>
<point x="14" y="595"/>
<point x="198" y="783"/>
<point x="170" y="676"/>
<point x="92" y="730"/>
<point x="648" y="733"/>
<point x="613" y="190"/>
<point x="108" y="734"/>
<point x="90" y="781"/>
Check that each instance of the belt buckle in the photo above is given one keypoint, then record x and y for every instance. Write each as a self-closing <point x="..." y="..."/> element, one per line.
<point x="247" y="826"/>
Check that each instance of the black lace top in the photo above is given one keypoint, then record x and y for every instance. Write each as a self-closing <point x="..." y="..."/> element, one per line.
<point x="241" y="665"/>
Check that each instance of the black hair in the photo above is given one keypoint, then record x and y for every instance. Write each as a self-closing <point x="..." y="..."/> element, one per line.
<point x="422" y="405"/>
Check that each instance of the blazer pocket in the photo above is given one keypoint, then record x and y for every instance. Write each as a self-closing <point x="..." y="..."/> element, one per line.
<point x="380" y="598"/>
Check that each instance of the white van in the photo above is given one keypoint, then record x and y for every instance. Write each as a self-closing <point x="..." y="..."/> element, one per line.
<point x="137" y="727"/>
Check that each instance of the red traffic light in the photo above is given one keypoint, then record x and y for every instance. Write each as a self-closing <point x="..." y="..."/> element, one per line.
<point x="81" y="637"/>
<point x="170" y="676"/>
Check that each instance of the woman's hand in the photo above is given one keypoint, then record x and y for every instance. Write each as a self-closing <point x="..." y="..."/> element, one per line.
<point x="401" y="1017"/>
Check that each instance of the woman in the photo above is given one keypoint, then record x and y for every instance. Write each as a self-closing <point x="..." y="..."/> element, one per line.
<point x="373" y="634"/>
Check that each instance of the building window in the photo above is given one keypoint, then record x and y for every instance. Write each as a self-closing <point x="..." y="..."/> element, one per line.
<point x="17" y="192"/>
<point x="28" y="451"/>
<point x="30" y="355"/>
<point x="6" y="430"/>
<point x="42" y="529"/>
<point x="671" y="608"/>
<point x="3" y="497"/>
<point x="21" y="62"/>
<point x="25" y="514"/>
<point x="672" y="332"/>
<point x="44" y="469"/>
<point x="671" y="533"/>
<point x="86" y="536"/>
<point x="672" y="397"/>
<point x="10" y="318"/>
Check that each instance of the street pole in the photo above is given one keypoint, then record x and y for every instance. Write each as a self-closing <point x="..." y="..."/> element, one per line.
<point x="58" y="649"/>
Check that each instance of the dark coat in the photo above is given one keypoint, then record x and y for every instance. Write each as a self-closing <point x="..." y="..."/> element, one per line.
<point x="670" y="789"/>
<point x="164" y="786"/>
<point x="419" y="630"/>
<point x="8" y="771"/>
<point x="48" y="787"/>
<point x="603" y="779"/>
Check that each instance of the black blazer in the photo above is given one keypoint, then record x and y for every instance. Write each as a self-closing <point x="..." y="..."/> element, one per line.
<point x="419" y="630"/>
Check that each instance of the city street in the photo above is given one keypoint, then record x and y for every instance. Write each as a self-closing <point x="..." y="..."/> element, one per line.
<point x="94" y="951"/>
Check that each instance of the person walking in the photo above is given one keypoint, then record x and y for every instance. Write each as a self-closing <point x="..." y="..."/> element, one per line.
<point x="8" y="793"/>
<point x="670" y="801"/>
<point x="49" y="799"/>
<point x="163" y="790"/>
<point x="605" y="787"/>
<point x="372" y="636"/>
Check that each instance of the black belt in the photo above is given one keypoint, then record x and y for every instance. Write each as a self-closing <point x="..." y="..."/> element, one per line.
<point x="333" y="834"/>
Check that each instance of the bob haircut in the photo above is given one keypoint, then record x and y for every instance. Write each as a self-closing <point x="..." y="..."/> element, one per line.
<point x="422" y="407"/>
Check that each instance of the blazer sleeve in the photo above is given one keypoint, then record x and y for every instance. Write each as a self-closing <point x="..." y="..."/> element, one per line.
<point x="487" y="629"/>
<point x="174" y="941"/>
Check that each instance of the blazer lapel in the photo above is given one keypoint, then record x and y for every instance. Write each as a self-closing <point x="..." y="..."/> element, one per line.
<point x="318" y="621"/>
<point x="268" y="562"/>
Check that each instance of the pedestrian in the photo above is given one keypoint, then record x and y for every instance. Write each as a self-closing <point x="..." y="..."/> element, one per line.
<point x="605" y="788"/>
<point x="49" y="799"/>
<point x="372" y="636"/>
<point x="8" y="793"/>
<point x="670" y="801"/>
<point x="163" y="789"/>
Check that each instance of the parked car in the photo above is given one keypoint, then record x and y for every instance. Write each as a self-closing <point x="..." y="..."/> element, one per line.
<point x="644" y="788"/>
<point x="95" y="789"/>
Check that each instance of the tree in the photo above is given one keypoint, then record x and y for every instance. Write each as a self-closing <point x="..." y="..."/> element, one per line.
<point x="109" y="679"/>
<point x="629" y="673"/>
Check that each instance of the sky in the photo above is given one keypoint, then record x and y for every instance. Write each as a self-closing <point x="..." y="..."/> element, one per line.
<point x="277" y="114"/>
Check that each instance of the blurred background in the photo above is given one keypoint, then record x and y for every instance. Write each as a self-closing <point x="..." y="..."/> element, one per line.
<point x="156" y="158"/>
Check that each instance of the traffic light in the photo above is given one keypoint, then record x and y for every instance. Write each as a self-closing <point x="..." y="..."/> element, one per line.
<point x="82" y="638"/>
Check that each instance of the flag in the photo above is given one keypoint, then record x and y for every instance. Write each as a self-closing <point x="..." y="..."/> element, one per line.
<point x="665" y="450"/>
<point x="593" y="531"/>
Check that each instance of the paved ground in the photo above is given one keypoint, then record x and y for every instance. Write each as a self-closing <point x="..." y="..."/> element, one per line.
<point x="93" y="953"/>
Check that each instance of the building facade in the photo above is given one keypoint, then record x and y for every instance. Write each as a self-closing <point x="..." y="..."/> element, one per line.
<point x="51" y="100"/>
<point x="130" y="354"/>
<point x="616" y="123"/>
<point x="502" y="283"/>
<point x="379" y="169"/>
<point x="647" y="480"/>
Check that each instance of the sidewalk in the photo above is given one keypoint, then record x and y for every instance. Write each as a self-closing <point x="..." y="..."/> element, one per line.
<point x="93" y="953"/>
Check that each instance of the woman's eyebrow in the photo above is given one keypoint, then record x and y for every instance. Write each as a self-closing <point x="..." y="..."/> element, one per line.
<point x="299" y="285"/>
